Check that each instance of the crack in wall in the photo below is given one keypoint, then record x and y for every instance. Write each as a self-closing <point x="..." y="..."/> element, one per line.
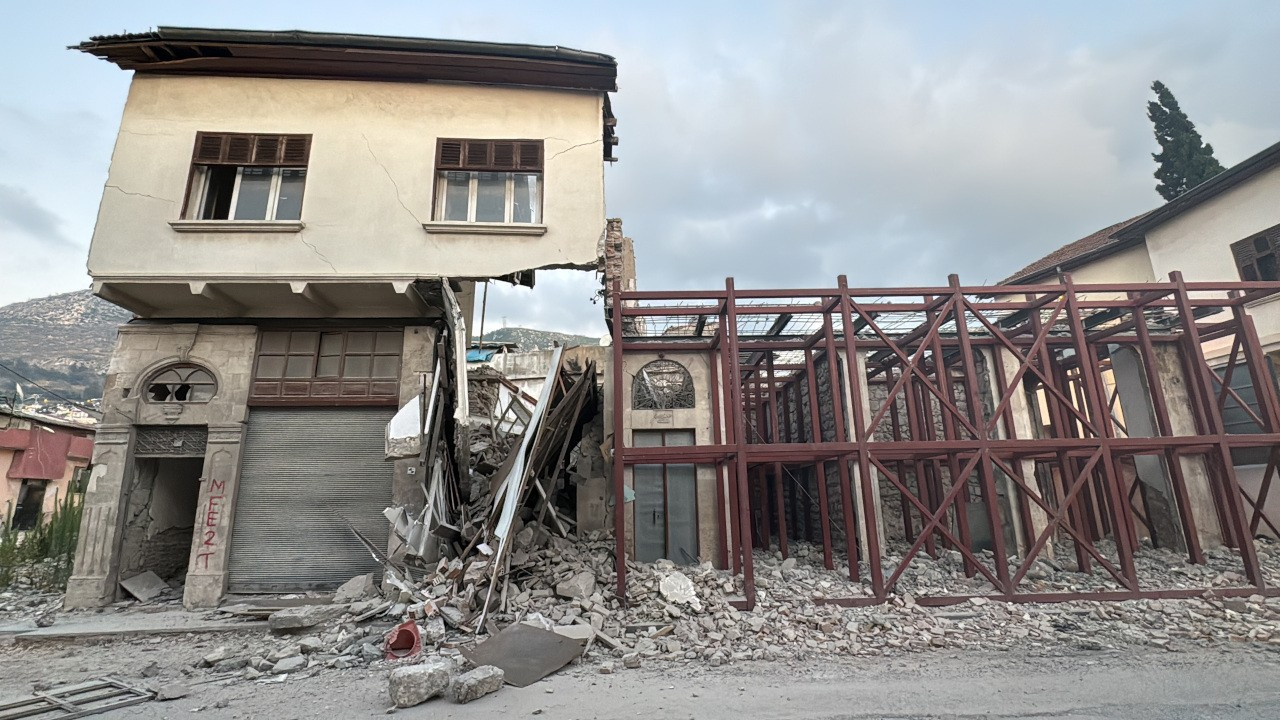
<point x="316" y="250"/>
<point x="572" y="147"/>
<point x="390" y="179"/>
<point x="119" y="189"/>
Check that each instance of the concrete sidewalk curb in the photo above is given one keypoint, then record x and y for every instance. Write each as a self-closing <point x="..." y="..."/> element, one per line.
<point x="39" y="635"/>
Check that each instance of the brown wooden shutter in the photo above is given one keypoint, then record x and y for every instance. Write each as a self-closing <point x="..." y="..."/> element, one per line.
<point x="238" y="150"/>
<point x="530" y="156"/>
<point x="251" y="149"/>
<point x="478" y="154"/>
<point x="504" y="155"/>
<point x="266" y="150"/>
<point x="297" y="149"/>
<point x="208" y="147"/>
<point x="450" y="154"/>
<point x="489" y="155"/>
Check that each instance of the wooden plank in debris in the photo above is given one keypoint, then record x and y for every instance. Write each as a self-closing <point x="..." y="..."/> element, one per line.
<point x="75" y="701"/>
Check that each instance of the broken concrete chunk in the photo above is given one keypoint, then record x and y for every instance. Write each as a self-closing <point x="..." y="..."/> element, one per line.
<point x="415" y="684"/>
<point x="172" y="691"/>
<point x="283" y="652"/>
<point x="432" y="630"/>
<point x="476" y="684"/>
<point x="144" y="586"/>
<point x="631" y="660"/>
<point x="578" y="586"/>
<point x="311" y="644"/>
<point x="575" y="632"/>
<point x="218" y="655"/>
<point x="678" y="588"/>
<point x="303" y="616"/>
<point x="358" y="588"/>
<point x="289" y="664"/>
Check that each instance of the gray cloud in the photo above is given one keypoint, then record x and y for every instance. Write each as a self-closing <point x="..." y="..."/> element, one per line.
<point x="23" y="212"/>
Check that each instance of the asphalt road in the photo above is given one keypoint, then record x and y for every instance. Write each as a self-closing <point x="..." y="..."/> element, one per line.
<point x="1237" y="683"/>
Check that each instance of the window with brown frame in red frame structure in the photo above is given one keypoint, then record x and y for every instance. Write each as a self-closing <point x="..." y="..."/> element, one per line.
<point x="1258" y="257"/>
<point x="327" y="367"/>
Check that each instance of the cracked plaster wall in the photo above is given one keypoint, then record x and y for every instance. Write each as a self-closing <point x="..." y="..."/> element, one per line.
<point x="369" y="184"/>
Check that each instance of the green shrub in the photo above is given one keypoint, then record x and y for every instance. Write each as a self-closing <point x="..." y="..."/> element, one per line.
<point x="46" y="553"/>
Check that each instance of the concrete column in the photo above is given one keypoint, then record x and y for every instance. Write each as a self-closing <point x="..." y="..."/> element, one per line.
<point x="97" y="564"/>
<point x="1140" y="421"/>
<point x="1195" y="470"/>
<point x="417" y="361"/>
<point x="1024" y="423"/>
<point x="215" y="516"/>
<point x="873" y="482"/>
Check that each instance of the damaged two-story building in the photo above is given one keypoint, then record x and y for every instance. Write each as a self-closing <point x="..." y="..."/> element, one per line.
<point x="298" y="220"/>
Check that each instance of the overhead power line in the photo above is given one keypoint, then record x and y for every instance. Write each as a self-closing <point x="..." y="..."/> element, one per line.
<point x="61" y="397"/>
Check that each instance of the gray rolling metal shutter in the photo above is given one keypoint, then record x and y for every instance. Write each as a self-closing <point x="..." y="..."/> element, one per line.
<point x="304" y="472"/>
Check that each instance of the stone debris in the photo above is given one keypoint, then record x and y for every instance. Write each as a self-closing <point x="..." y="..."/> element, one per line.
<point x="476" y="684"/>
<point x="358" y="588"/>
<point x="302" y="617"/>
<point x="172" y="691"/>
<point x="676" y="587"/>
<point x="581" y="585"/>
<point x="415" y="684"/>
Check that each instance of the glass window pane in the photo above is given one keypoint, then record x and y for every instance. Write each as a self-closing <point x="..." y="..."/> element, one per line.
<point x="275" y="341"/>
<point x="456" y="191"/>
<point x="386" y="366"/>
<point x="491" y="193"/>
<point x="271" y="366"/>
<point x="201" y="393"/>
<point x="1267" y="267"/>
<point x="327" y="366"/>
<point x="646" y="438"/>
<point x="389" y="342"/>
<point x="220" y="181"/>
<point x="289" y="204"/>
<point x="331" y="343"/>
<point x="360" y="342"/>
<point x="255" y="189"/>
<point x="298" y="366"/>
<point x="524" y="201"/>
<point x="356" y="366"/>
<point x="303" y="342"/>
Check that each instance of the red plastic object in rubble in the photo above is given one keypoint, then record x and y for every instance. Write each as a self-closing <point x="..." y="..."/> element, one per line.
<point x="404" y="641"/>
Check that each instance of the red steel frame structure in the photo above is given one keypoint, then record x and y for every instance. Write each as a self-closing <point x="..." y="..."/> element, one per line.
<point x="920" y="347"/>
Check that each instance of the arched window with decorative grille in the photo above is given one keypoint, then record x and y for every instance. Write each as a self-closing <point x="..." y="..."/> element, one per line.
<point x="181" y="383"/>
<point x="662" y="385"/>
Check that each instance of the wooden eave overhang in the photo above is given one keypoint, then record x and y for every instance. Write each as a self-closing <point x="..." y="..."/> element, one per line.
<point x="297" y="54"/>
<point x="334" y="56"/>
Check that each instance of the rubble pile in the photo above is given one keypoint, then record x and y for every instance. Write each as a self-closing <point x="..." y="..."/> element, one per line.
<point x="19" y="602"/>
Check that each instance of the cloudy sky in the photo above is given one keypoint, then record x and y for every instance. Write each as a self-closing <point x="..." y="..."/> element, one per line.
<point x="779" y="143"/>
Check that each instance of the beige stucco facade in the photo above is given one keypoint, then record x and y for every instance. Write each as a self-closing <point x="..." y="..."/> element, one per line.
<point x="368" y="194"/>
<point x="1197" y="242"/>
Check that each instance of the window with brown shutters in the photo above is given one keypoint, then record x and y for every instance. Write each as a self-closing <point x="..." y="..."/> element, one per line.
<point x="488" y="181"/>
<point x="1258" y="257"/>
<point x="247" y="177"/>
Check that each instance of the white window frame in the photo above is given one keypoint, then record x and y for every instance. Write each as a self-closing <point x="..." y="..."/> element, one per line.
<point x="201" y="188"/>
<point x="473" y="191"/>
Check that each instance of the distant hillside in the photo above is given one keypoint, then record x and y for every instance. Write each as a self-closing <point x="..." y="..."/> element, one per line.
<point x="529" y="339"/>
<point x="61" y="341"/>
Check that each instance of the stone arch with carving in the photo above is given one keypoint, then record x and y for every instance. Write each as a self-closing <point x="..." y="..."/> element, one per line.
<point x="662" y="385"/>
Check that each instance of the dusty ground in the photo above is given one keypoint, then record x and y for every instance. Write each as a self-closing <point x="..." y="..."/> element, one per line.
<point x="1232" y="682"/>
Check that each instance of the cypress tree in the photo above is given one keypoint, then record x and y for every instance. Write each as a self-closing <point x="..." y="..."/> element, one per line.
<point x="1184" y="159"/>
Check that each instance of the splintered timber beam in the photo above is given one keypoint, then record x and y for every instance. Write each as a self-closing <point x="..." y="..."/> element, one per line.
<point x="936" y="370"/>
